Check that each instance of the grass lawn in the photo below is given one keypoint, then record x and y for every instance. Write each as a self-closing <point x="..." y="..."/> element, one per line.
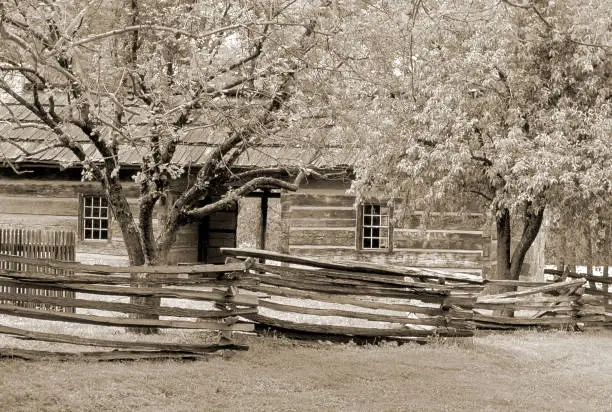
<point x="535" y="371"/>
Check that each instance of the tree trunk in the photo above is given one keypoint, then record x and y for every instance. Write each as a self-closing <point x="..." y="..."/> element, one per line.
<point x="504" y="239"/>
<point x="139" y="280"/>
<point x="138" y="256"/>
<point x="532" y="221"/>
<point x="509" y="264"/>
<point x="154" y="255"/>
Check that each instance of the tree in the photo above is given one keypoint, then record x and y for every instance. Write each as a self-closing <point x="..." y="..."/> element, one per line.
<point x="142" y="74"/>
<point x="504" y="104"/>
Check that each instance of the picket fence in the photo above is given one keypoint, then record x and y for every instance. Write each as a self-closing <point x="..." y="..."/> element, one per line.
<point x="41" y="244"/>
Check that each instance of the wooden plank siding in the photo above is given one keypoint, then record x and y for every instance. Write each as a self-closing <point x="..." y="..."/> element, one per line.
<point x="437" y="239"/>
<point x="54" y="205"/>
<point x="322" y="236"/>
<point x="27" y="205"/>
<point x="325" y="225"/>
<point x="57" y="188"/>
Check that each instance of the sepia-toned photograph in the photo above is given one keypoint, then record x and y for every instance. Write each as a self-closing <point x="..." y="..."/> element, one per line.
<point x="305" y="205"/>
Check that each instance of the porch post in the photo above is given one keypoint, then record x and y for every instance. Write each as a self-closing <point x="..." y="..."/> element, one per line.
<point x="263" y="223"/>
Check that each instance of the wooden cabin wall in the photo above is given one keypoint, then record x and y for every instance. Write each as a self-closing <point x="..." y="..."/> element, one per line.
<point x="322" y="222"/>
<point x="54" y="205"/>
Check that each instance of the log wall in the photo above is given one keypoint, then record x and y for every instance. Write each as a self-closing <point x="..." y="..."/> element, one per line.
<point x="324" y="224"/>
<point x="54" y="205"/>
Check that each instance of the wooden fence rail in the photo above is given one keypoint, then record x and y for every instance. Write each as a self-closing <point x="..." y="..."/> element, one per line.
<point x="217" y="284"/>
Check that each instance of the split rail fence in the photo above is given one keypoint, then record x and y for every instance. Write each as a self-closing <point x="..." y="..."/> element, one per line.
<point x="57" y="245"/>
<point x="408" y="302"/>
<point x="562" y="304"/>
<point x="357" y="299"/>
<point x="217" y="284"/>
<point x="296" y="295"/>
<point x="569" y="301"/>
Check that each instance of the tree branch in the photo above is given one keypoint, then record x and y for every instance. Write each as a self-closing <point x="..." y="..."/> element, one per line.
<point x="482" y="159"/>
<point x="111" y="33"/>
<point x="26" y="152"/>
<point x="233" y="196"/>
<point x="65" y="140"/>
<point x="479" y="193"/>
<point x="269" y="172"/>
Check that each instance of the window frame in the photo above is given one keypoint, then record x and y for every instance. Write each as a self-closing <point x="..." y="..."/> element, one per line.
<point x="361" y="227"/>
<point x="82" y="217"/>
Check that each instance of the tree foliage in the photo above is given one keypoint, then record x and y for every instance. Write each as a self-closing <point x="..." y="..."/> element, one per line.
<point x="503" y="103"/>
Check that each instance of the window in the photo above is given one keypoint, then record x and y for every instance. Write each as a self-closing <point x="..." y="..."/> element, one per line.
<point x="375" y="228"/>
<point x="95" y="218"/>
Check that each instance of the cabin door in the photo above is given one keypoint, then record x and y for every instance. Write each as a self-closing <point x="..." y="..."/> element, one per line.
<point x="214" y="232"/>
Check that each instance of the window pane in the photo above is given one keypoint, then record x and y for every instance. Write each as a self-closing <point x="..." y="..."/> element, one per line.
<point x="367" y="232"/>
<point x="367" y="243"/>
<point x="375" y="243"/>
<point x="376" y="221"/>
<point x="367" y="221"/>
<point x="375" y="232"/>
<point x="95" y="218"/>
<point x="375" y="209"/>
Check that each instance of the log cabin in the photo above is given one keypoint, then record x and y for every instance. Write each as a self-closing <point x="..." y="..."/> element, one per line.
<point x="45" y="190"/>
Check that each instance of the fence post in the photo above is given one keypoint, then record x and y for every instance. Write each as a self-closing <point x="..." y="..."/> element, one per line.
<point x="577" y="305"/>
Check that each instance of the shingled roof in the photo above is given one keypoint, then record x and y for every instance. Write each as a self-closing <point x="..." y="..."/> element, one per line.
<point x="25" y="141"/>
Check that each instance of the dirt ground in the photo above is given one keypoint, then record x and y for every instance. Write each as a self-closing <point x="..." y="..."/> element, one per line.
<point x="523" y="371"/>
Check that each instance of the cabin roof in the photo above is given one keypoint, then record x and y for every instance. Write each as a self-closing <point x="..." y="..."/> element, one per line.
<point x="25" y="140"/>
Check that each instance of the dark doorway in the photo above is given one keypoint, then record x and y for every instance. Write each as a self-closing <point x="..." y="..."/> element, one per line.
<point x="214" y="232"/>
